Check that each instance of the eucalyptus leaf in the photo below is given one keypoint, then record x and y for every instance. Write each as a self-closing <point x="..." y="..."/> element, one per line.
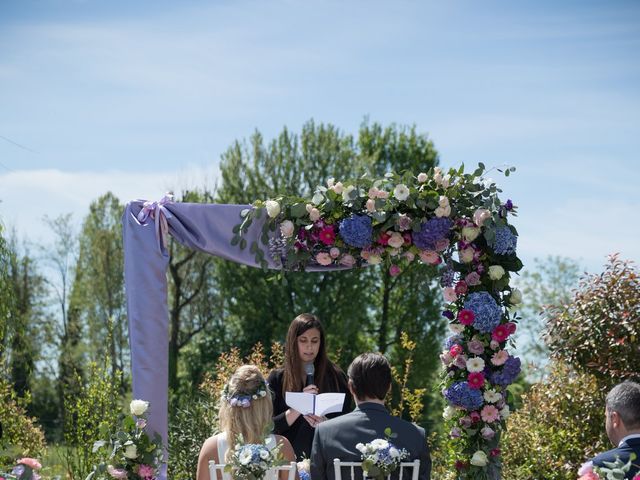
<point x="243" y="243"/>
<point x="235" y="240"/>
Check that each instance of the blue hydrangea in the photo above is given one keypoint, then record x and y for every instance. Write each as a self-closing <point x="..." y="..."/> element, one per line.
<point x="509" y="372"/>
<point x="505" y="242"/>
<point x="432" y="230"/>
<point x="485" y="309"/>
<point x="447" y="277"/>
<point x="460" y="394"/>
<point x="451" y="341"/>
<point x="356" y="231"/>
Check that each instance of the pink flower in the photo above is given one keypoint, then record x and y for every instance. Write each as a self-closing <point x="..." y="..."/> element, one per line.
<point x="323" y="258"/>
<point x="446" y="358"/>
<point x="460" y="465"/>
<point x="373" y="192"/>
<point x="347" y="260"/>
<point x="476" y="380"/>
<point x="461" y="287"/>
<point x="480" y="216"/>
<point x="394" y="270"/>
<point x="475" y="346"/>
<point x="511" y="327"/>
<point x="586" y="468"/>
<point x="371" y="206"/>
<point x="461" y="362"/>
<point x="430" y="257"/>
<point x="382" y="194"/>
<point x="472" y="279"/>
<point x="499" y="358"/>
<point x="410" y="256"/>
<point x="455" y="432"/>
<point x="489" y="413"/>
<point x="407" y="238"/>
<point x="449" y="294"/>
<point x="145" y="471"/>
<point x="466" y="422"/>
<point x="141" y="423"/>
<point x="474" y="416"/>
<point x="116" y="472"/>
<point x="594" y="476"/>
<point x="396" y="240"/>
<point x="466" y="317"/>
<point x="441" y="245"/>
<point x="383" y="239"/>
<point x="30" y="462"/>
<point x="334" y="252"/>
<point x="487" y="433"/>
<point x="494" y="345"/>
<point x="455" y="350"/>
<point x="404" y="222"/>
<point x="328" y="235"/>
<point x="500" y="333"/>
<point x="495" y="452"/>
<point x="314" y="214"/>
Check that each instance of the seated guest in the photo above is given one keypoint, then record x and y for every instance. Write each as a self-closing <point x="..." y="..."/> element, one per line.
<point x="369" y="382"/>
<point x="622" y="411"/>
<point x="242" y="416"/>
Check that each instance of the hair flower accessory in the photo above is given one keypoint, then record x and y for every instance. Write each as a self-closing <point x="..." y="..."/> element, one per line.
<point x="243" y="398"/>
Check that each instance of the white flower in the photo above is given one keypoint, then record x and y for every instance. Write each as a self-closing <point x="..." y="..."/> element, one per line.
<point x="338" y="188"/>
<point x="475" y="364"/>
<point x="446" y="181"/>
<point x="314" y="214"/>
<point x="479" y="459"/>
<point x="379" y="444"/>
<point x="443" y="211"/>
<point x="138" y="407"/>
<point x="264" y="453"/>
<point x="469" y="234"/>
<point x="401" y="192"/>
<point x="496" y="272"/>
<point x="330" y="182"/>
<point x="396" y="240"/>
<point x="131" y="451"/>
<point x="443" y="201"/>
<point x="449" y="412"/>
<point x="273" y="208"/>
<point x="286" y="228"/>
<point x="466" y="255"/>
<point x="346" y="193"/>
<point x="245" y="456"/>
<point x="456" y="327"/>
<point x="505" y="412"/>
<point x="516" y="297"/>
<point x="374" y="259"/>
<point x="360" y="447"/>
<point x="491" y="396"/>
<point x="394" y="452"/>
<point x="422" y="177"/>
<point x="480" y="216"/>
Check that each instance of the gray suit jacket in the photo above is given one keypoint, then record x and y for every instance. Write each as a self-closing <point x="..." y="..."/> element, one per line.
<point x="337" y="438"/>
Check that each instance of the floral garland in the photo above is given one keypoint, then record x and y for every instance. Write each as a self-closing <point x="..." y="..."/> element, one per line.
<point x="452" y="220"/>
<point x="243" y="399"/>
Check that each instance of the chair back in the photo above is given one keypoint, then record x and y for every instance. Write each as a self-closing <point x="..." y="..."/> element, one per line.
<point x="414" y="466"/>
<point x="214" y="468"/>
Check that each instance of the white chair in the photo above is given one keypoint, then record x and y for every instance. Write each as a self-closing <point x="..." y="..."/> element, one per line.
<point x="339" y="465"/>
<point x="214" y="468"/>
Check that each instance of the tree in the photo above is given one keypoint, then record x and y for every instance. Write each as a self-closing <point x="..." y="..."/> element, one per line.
<point x="6" y="297"/>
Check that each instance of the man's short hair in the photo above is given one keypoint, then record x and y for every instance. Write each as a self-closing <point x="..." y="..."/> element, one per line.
<point x="370" y="375"/>
<point x="624" y="398"/>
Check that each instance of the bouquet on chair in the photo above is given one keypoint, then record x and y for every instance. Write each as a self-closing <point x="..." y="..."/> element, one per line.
<point x="252" y="461"/>
<point x="25" y="469"/>
<point x="380" y="457"/>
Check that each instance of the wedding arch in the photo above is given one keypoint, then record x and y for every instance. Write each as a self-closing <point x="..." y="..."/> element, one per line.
<point x="453" y="219"/>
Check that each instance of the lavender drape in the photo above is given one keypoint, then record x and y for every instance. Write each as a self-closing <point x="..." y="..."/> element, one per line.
<point x="203" y="227"/>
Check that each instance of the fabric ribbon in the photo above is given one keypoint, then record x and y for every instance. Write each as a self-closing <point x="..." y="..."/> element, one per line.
<point x="158" y="213"/>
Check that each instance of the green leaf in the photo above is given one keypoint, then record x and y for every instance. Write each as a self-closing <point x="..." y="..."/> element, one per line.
<point x="317" y="199"/>
<point x="254" y="247"/>
<point x="235" y="240"/>
<point x="481" y="165"/>
<point x="298" y="210"/>
<point x="236" y="228"/>
<point x="243" y="243"/>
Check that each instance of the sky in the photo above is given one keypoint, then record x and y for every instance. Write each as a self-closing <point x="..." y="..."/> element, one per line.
<point x="143" y="97"/>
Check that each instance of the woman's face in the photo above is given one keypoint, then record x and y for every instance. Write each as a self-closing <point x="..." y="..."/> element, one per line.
<point x="309" y="345"/>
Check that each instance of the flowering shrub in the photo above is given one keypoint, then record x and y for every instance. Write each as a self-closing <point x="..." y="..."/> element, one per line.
<point x="251" y="461"/>
<point x="453" y="220"/>
<point x="132" y="454"/>
<point x="380" y="457"/>
<point x="25" y="469"/>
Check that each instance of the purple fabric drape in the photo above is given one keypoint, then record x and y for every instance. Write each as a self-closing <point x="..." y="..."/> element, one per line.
<point x="203" y="227"/>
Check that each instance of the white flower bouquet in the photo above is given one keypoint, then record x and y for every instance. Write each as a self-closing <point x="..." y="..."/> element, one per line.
<point x="251" y="461"/>
<point x="380" y="457"/>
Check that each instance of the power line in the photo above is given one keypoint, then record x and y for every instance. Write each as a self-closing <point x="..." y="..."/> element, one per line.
<point x="17" y="144"/>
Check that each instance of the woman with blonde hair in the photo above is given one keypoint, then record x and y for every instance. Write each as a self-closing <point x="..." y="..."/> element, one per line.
<point x="245" y="413"/>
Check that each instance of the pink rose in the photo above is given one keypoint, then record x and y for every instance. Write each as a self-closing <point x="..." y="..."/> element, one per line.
<point x="430" y="257"/>
<point x="383" y="239"/>
<point x="116" y="472"/>
<point x="585" y="468"/>
<point x="334" y="252"/>
<point x="465" y="422"/>
<point x="455" y="350"/>
<point x="466" y="255"/>
<point x="371" y="206"/>
<point x="314" y="215"/>
<point x="382" y="194"/>
<point x="30" y="462"/>
<point x="394" y="270"/>
<point x="373" y="193"/>
<point x="461" y="287"/>
<point x="487" y="433"/>
<point x="499" y="358"/>
<point x="449" y="294"/>
<point x="441" y="245"/>
<point x="461" y="362"/>
<point x="410" y="256"/>
<point x="472" y="279"/>
<point x="396" y="240"/>
<point x="474" y="416"/>
<point x="480" y="216"/>
<point x="494" y="345"/>
<point x="323" y="258"/>
<point x="476" y="347"/>
<point x="489" y="413"/>
<point x="446" y="358"/>
<point x="347" y="260"/>
<point x="403" y="222"/>
<point x="594" y="476"/>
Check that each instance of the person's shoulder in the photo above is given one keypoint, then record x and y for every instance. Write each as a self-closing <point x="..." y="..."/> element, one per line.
<point x="210" y="445"/>
<point x="610" y="456"/>
<point x="407" y="427"/>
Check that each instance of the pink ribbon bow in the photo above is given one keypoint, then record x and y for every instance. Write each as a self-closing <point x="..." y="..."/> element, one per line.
<point x="158" y="213"/>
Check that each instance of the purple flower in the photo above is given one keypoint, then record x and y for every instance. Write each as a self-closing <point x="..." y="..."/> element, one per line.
<point x="505" y="242"/>
<point x="508" y="205"/>
<point x="432" y="231"/>
<point x="452" y="340"/>
<point x="486" y="310"/>
<point x="356" y="231"/>
<point x="448" y="314"/>
<point x="476" y="347"/>
<point x="461" y="395"/>
<point x="509" y="372"/>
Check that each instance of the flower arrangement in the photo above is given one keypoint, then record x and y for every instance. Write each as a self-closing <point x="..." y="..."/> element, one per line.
<point x="304" y="469"/>
<point x="25" y="469"/>
<point x="243" y="399"/>
<point x="453" y="221"/>
<point x="130" y="452"/>
<point x="252" y="461"/>
<point x="611" y="471"/>
<point x="380" y="457"/>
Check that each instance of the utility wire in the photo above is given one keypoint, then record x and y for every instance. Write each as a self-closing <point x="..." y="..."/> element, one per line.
<point x="17" y="144"/>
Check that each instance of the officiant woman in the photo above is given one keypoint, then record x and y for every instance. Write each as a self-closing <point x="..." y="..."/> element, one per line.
<point x="306" y="369"/>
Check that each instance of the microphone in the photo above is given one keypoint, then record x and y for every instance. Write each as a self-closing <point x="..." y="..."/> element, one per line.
<point x="309" y="369"/>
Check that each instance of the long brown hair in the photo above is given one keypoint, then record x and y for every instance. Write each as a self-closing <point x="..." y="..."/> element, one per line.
<point x="253" y="422"/>
<point x="325" y="372"/>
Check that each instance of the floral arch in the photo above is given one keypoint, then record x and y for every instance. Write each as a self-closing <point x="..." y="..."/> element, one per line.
<point x="454" y="220"/>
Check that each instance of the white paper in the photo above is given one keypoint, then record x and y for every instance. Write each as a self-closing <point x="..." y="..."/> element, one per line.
<point x="308" y="403"/>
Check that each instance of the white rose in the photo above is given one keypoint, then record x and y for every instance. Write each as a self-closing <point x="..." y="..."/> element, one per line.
<point x="338" y="188"/>
<point x="138" y="407"/>
<point x="273" y="208"/>
<point x="479" y="459"/>
<point x="443" y="201"/>
<point x="446" y="181"/>
<point x="480" y="216"/>
<point x="264" y="454"/>
<point x="449" y="412"/>
<point x="443" y="211"/>
<point x="475" y="364"/>
<point x="314" y="215"/>
<point x="469" y="234"/>
<point x="422" y="177"/>
<point x="330" y="182"/>
<point x="286" y="228"/>
<point x="496" y="272"/>
<point x="374" y="259"/>
<point x="131" y="451"/>
<point x="516" y="297"/>
<point x="505" y="412"/>
<point x="396" y="240"/>
<point x="346" y="193"/>
<point x="401" y="192"/>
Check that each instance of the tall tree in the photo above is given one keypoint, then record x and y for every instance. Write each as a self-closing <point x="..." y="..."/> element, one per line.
<point x="6" y="294"/>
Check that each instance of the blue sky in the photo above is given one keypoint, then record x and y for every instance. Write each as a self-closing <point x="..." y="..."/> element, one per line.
<point x="142" y="97"/>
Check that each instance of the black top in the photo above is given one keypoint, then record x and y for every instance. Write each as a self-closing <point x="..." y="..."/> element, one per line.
<point x="300" y="433"/>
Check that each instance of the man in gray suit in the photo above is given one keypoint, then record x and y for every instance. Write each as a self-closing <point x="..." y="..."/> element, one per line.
<point x="369" y="382"/>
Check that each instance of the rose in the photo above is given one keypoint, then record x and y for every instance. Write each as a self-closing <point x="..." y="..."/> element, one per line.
<point x="347" y="260"/>
<point x="461" y="287"/>
<point x="479" y="459"/>
<point x="131" y="451"/>
<point x="401" y="192"/>
<point x="449" y="412"/>
<point x="314" y="214"/>
<point x="273" y="208"/>
<point x="487" y="433"/>
<point x="117" y="472"/>
<point x="334" y="252"/>
<point x="338" y="188"/>
<point x="410" y="256"/>
<point x="403" y="222"/>
<point x="396" y="240"/>
<point x="371" y="206"/>
<point x="374" y="259"/>
<point x="466" y="255"/>
<point x="373" y="193"/>
<point x="138" y="407"/>
<point x="330" y="182"/>
<point x="480" y="216"/>
<point x="323" y="258"/>
<point x="456" y="328"/>
<point x="516" y="297"/>
<point x="422" y="177"/>
<point x="469" y="234"/>
<point x="496" y="272"/>
<point x="430" y="257"/>
<point x="472" y="279"/>
<point x="286" y="228"/>
<point x="394" y="270"/>
<point x="382" y="194"/>
<point x="30" y="462"/>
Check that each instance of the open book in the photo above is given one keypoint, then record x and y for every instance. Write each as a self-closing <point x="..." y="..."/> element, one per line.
<point x="307" y="403"/>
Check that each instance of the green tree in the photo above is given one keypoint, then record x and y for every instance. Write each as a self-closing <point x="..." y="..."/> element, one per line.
<point x="6" y="294"/>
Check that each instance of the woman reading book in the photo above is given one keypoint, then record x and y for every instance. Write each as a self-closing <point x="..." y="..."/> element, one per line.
<point x="306" y="369"/>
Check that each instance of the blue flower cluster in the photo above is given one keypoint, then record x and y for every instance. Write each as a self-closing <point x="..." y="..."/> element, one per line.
<point x="461" y="395"/>
<point x="447" y="277"/>
<point x="451" y="341"/>
<point x="505" y="242"/>
<point x="304" y="475"/>
<point x="509" y="372"/>
<point x="485" y="309"/>
<point x="356" y="231"/>
<point x="432" y="230"/>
